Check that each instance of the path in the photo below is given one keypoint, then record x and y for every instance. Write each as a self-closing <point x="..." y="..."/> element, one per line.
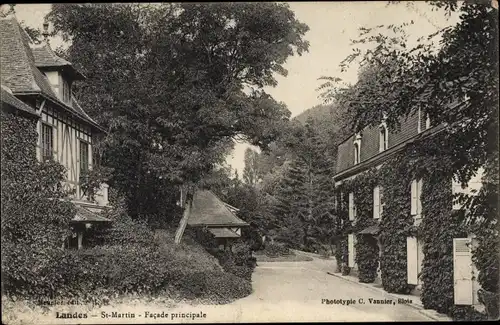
<point x="293" y="291"/>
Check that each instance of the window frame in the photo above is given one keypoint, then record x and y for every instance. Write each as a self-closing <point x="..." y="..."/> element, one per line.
<point x="357" y="149"/>
<point x="43" y="149"/>
<point x="416" y="204"/>
<point x="383" y="138"/>
<point x="377" y="203"/>
<point x="87" y="144"/>
<point x="423" y="125"/>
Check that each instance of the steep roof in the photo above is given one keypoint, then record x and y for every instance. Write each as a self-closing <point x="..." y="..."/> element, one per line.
<point x="209" y="210"/>
<point x="8" y="99"/>
<point x="44" y="57"/>
<point x="19" y="71"/>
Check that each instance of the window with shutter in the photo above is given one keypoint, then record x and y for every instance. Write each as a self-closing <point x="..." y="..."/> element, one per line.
<point x="351" y="241"/>
<point x="412" y="260"/>
<point x="419" y="199"/>
<point x="414" y="197"/>
<point x="376" y="202"/>
<point x="381" y="201"/>
<point x="462" y="271"/>
<point x="351" y="206"/>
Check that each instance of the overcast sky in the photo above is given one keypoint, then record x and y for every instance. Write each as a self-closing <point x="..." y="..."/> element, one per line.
<point x="332" y="26"/>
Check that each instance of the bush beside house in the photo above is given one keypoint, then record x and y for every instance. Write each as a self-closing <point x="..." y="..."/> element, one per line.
<point x="126" y="258"/>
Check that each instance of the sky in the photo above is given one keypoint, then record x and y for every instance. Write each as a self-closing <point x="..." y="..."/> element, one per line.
<point x="332" y="25"/>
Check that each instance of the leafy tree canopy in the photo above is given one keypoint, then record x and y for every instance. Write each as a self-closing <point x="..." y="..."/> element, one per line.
<point x="174" y="83"/>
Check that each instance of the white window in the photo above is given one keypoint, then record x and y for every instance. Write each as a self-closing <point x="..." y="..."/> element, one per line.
<point x="352" y="207"/>
<point x="416" y="198"/>
<point x="462" y="271"/>
<point x="424" y="121"/>
<point x="357" y="149"/>
<point x="412" y="260"/>
<point x="356" y="153"/>
<point x="66" y="91"/>
<point x="383" y="137"/>
<point x="377" y="202"/>
<point x="351" y="247"/>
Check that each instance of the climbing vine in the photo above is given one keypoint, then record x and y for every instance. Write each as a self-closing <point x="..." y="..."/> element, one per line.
<point x="440" y="225"/>
<point x="367" y="252"/>
<point x="396" y="224"/>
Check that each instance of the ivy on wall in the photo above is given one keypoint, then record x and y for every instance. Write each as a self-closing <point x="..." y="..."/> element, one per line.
<point x="367" y="251"/>
<point x="342" y="229"/>
<point x="439" y="226"/>
<point x="396" y="224"/>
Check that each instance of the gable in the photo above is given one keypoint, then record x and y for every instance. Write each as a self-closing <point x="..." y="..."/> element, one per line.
<point x="19" y="71"/>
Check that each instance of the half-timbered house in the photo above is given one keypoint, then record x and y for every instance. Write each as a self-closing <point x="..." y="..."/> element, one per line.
<point x="40" y="81"/>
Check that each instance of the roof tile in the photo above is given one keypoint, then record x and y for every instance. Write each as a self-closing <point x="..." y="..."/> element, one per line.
<point x="19" y="71"/>
<point x="209" y="210"/>
<point x="8" y="98"/>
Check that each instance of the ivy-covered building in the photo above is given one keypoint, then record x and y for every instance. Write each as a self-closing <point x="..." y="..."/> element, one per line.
<point x="37" y="83"/>
<point x="398" y="220"/>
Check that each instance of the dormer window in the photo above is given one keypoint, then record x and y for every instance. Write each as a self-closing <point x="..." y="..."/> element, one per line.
<point x="357" y="149"/>
<point x="383" y="134"/>
<point x="66" y="91"/>
<point x="424" y="121"/>
<point x="383" y="137"/>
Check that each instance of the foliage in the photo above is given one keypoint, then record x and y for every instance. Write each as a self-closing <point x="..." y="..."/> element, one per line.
<point x="367" y="251"/>
<point x="466" y="313"/>
<point x="167" y="82"/>
<point x="304" y="200"/>
<point x="396" y="224"/>
<point x="456" y="85"/>
<point x="35" y="218"/>
<point x="251" y="173"/>
<point x="276" y="249"/>
<point x="123" y="230"/>
<point x="238" y="260"/>
<point x="91" y="180"/>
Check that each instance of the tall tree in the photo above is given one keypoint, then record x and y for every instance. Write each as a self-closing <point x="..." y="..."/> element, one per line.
<point x="251" y="172"/>
<point x="305" y="193"/>
<point x="167" y="81"/>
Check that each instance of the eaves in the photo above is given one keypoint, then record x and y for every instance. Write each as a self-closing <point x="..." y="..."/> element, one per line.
<point x="385" y="155"/>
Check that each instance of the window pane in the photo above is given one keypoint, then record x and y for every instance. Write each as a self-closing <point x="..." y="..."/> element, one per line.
<point x="84" y="157"/>
<point x="47" y="141"/>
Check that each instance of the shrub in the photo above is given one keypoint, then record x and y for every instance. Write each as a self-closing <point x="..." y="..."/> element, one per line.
<point x="226" y="287"/>
<point x="35" y="219"/>
<point x="123" y="230"/>
<point x="466" y="313"/>
<point x="277" y="249"/>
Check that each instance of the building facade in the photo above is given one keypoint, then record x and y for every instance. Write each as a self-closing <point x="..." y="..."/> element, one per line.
<point x="33" y="77"/>
<point x="369" y="150"/>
